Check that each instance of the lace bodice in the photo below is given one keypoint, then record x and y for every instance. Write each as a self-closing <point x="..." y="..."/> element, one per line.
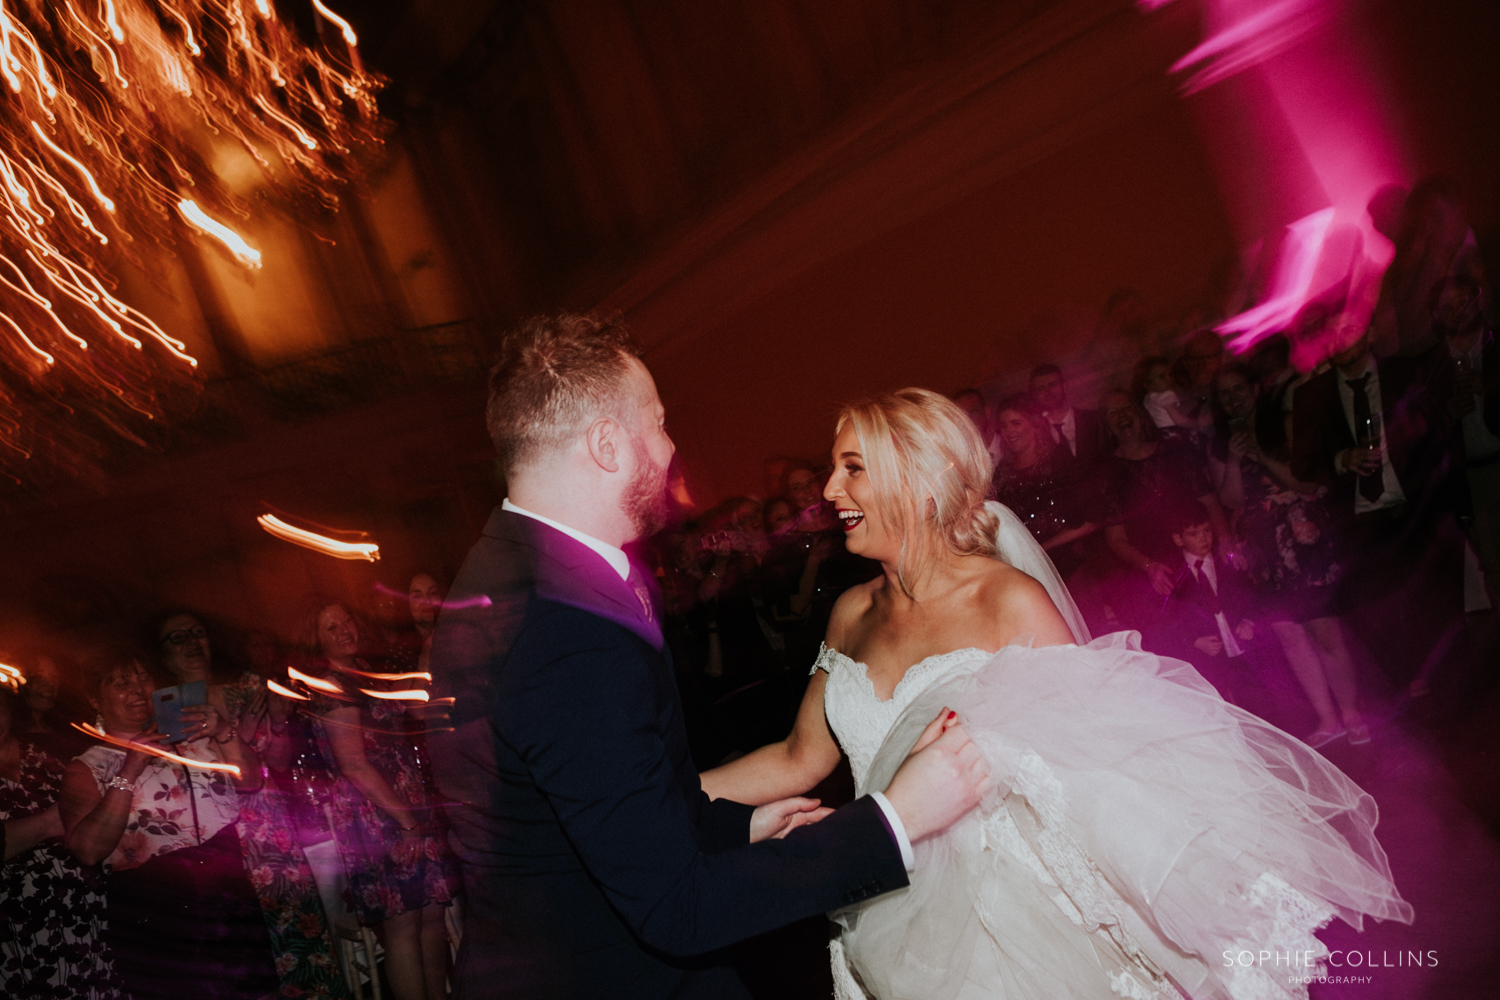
<point x="860" y="719"/>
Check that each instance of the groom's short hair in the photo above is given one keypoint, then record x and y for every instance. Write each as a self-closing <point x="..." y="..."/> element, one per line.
<point x="554" y="374"/>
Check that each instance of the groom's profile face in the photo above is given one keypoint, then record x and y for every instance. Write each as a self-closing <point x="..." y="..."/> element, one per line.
<point x="645" y="497"/>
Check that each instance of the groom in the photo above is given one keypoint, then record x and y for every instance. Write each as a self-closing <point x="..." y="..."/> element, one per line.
<point x="594" y="866"/>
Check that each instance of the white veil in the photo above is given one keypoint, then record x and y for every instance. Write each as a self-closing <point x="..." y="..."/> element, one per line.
<point x="1014" y="545"/>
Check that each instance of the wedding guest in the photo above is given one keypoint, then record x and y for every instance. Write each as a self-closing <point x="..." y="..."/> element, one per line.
<point x="1145" y="478"/>
<point x="1151" y="383"/>
<point x="773" y="474"/>
<point x="1270" y="366"/>
<point x="45" y="720"/>
<point x="184" y="920"/>
<point x="1043" y="483"/>
<point x="424" y="601"/>
<point x="971" y="401"/>
<point x="388" y="835"/>
<point x="804" y="487"/>
<point x="1375" y="432"/>
<point x="777" y="514"/>
<point x="280" y="872"/>
<point x="1249" y="467"/>
<point x="52" y="912"/>
<point x="1434" y="244"/>
<point x="1300" y="587"/>
<point x="1082" y="430"/>
<point x="740" y="651"/>
<point x="1459" y="315"/>
<point x="1207" y="619"/>
<point x="1194" y="372"/>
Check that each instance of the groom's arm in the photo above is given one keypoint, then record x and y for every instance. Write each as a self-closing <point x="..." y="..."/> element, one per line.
<point x="580" y="706"/>
<point x="723" y="824"/>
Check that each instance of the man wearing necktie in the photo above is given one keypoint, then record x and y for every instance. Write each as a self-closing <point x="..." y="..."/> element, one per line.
<point x="593" y="863"/>
<point x="1375" y="432"/>
<point x="1082" y="431"/>
<point x="1207" y="617"/>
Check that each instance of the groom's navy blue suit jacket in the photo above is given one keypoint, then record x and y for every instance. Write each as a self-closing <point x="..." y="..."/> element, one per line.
<point x="594" y="866"/>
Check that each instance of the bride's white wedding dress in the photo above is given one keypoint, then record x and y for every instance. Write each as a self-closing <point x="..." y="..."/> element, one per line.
<point x="1148" y="840"/>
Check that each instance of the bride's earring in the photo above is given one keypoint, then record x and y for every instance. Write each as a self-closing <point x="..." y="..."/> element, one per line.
<point x="99" y="722"/>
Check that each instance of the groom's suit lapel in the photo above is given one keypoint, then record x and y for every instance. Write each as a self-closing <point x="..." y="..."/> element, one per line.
<point x="571" y="573"/>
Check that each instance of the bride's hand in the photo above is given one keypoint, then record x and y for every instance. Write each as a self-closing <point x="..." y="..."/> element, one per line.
<point x="775" y="820"/>
<point x="946" y="719"/>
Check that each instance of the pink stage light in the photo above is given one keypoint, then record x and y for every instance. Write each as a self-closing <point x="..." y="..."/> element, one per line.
<point x="1296" y="66"/>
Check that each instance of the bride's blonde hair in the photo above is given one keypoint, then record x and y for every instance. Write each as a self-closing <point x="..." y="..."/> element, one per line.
<point x="930" y="473"/>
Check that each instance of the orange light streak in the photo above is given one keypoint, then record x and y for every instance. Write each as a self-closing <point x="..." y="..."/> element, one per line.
<point x="108" y="48"/>
<point x="198" y="219"/>
<point x="144" y="324"/>
<point x="328" y="687"/>
<point x="8" y="63"/>
<point x="368" y="551"/>
<point x="109" y="206"/>
<point x="73" y="206"/>
<point x="22" y="334"/>
<point x="84" y="298"/>
<point x="146" y="748"/>
<point x="31" y="293"/>
<point x="111" y="23"/>
<point x="414" y="695"/>
<point x="284" y="691"/>
<point x="192" y="46"/>
<point x="415" y="675"/>
<point x="296" y="129"/>
<point x="106" y="106"/>
<point x="338" y="22"/>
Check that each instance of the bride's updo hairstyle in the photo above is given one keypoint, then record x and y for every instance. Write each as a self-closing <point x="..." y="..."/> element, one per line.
<point x="930" y="472"/>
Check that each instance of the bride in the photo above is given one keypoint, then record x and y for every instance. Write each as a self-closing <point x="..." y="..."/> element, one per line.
<point x="1146" y="839"/>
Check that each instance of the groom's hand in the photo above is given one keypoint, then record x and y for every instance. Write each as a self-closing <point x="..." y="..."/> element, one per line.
<point x="775" y="820"/>
<point x="942" y="779"/>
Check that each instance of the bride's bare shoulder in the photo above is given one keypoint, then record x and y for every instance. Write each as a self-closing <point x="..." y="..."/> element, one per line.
<point x="849" y="610"/>
<point x="1021" y="606"/>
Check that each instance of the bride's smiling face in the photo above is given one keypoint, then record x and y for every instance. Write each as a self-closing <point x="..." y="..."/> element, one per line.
<point x="852" y="495"/>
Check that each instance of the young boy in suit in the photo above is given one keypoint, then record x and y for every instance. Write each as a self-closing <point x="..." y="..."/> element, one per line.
<point x="1207" y="617"/>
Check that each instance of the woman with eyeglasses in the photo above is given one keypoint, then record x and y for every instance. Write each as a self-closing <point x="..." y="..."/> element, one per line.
<point x="258" y="735"/>
<point x="183" y="918"/>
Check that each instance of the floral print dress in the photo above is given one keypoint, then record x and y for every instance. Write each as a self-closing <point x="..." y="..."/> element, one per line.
<point x="52" y="911"/>
<point x="282" y="879"/>
<point x="379" y="886"/>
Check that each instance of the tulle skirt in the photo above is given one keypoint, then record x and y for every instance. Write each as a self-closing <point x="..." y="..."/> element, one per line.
<point x="1148" y="840"/>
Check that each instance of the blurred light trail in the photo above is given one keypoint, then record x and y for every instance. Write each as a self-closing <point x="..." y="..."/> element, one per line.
<point x="339" y="22"/>
<point x="1289" y="289"/>
<point x="284" y="691"/>
<point x="318" y="683"/>
<point x="415" y="675"/>
<point x="368" y="551"/>
<point x="146" y="748"/>
<point x="1322" y="143"/>
<point x="243" y="252"/>
<point x="413" y="695"/>
<point x="118" y="112"/>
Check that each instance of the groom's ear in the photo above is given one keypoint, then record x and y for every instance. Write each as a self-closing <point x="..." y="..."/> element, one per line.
<point x="603" y="440"/>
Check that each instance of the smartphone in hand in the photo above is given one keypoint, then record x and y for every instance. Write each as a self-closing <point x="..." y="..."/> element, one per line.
<point x="168" y="703"/>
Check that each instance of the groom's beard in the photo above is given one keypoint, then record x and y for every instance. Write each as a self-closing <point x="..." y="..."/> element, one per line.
<point x="645" y="500"/>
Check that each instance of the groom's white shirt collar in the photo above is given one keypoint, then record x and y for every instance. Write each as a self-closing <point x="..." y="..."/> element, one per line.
<point x="616" y="558"/>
